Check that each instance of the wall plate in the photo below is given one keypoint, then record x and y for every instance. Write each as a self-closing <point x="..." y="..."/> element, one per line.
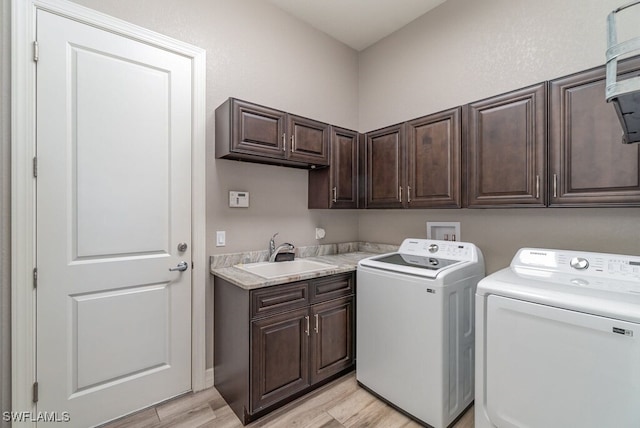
<point x="443" y="230"/>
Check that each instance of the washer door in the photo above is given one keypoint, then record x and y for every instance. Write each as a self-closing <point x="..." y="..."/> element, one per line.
<point x="555" y="368"/>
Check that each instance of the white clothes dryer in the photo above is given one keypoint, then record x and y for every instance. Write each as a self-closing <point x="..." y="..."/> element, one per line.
<point x="558" y="342"/>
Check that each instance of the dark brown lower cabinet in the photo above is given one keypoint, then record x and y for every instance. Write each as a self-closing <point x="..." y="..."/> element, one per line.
<point x="277" y="343"/>
<point x="332" y="338"/>
<point x="279" y="357"/>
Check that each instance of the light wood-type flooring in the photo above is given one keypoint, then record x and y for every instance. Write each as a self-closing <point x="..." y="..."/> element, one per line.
<point x="341" y="403"/>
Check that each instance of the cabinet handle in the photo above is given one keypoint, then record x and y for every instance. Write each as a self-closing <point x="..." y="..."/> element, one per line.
<point x="307" y="330"/>
<point x="284" y="142"/>
<point x="335" y="194"/>
<point x="409" y="194"/>
<point x="293" y="144"/>
<point x="317" y="325"/>
<point x="555" y="185"/>
<point x="400" y="192"/>
<point x="537" y="186"/>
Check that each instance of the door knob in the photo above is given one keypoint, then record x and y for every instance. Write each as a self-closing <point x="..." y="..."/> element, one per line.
<point x="182" y="266"/>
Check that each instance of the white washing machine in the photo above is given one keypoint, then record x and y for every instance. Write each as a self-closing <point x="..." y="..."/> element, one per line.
<point x="415" y="327"/>
<point x="558" y="342"/>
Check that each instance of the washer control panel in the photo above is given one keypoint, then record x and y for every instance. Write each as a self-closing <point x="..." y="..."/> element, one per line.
<point x="452" y="250"/>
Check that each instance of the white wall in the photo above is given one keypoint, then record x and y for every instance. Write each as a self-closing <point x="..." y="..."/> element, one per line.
<point x="467" y="50"/>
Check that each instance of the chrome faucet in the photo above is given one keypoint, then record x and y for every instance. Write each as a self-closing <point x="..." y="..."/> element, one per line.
<point x="273" y="251"/>
<point x="272" y="244"/>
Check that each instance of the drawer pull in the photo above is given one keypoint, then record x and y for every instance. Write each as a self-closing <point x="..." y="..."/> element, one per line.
<point x="317" y="325"/>
<point x="307" y="330"/>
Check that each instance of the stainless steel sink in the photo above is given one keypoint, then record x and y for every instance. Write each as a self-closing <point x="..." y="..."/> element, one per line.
<point x="277" y="269"/>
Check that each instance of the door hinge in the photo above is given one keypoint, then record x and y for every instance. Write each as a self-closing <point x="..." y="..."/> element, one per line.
<point x="36" y="51"/>
<point x="35" y="167"/>
<point x="35" y="392"/>
<point x="35" y="277"/>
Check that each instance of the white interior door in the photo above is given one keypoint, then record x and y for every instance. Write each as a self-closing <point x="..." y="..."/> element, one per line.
<point x="113" y="203"/>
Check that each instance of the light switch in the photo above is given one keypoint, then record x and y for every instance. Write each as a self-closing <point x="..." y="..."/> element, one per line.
<point x="238" y="199"/>
<point x="220" y="238"/>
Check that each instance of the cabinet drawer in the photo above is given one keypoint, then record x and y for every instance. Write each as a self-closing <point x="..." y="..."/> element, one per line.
<point x="279" y="298"/>
<point x="332" y="287"/>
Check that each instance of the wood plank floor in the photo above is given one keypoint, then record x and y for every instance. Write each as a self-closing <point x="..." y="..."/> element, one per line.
<point x="339" y="404"/>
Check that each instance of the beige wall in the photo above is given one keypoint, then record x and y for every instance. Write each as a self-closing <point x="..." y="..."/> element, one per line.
<point x="500" y="233"/>
<point x="466" y="50"/>
<point x="259" y="53"/>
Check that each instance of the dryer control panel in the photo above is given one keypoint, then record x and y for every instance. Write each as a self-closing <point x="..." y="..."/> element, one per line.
<point x="613" y="266"/>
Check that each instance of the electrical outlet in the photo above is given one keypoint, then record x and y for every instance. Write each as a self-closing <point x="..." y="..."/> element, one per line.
<point x="220" y="238"/>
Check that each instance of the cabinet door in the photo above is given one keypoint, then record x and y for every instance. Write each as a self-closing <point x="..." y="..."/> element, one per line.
<point x="385" y="167"/>
<point x="507" y="149"/>
<point x="279" y="357"/>
<point x="337" y="186"/>
<point x="332" y="338"/>
<point x="308" y="141"/>
<point x="589" y="163"/>
<point x="433" y="156"/>
<point x="258" y="130"/>
<point x="344" y="168"/>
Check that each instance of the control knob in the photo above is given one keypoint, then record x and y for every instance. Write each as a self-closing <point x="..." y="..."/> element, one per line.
<point x="433" y="248"/>
<point x="579" y="263"/>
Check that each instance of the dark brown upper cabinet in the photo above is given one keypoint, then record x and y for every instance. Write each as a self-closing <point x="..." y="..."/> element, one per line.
<point x="506" y="149"/>
<point x="589" y="164"/>
<point x="433" y="158"/>
<point x="385" y="167"/>
<point x="337" y="186"/>
<point x="308" y="141"/>
<point x="255" y="133"/>
<point x="415" y="164"/>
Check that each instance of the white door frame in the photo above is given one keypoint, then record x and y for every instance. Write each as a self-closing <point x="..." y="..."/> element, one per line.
<point x="23" y="186"/>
